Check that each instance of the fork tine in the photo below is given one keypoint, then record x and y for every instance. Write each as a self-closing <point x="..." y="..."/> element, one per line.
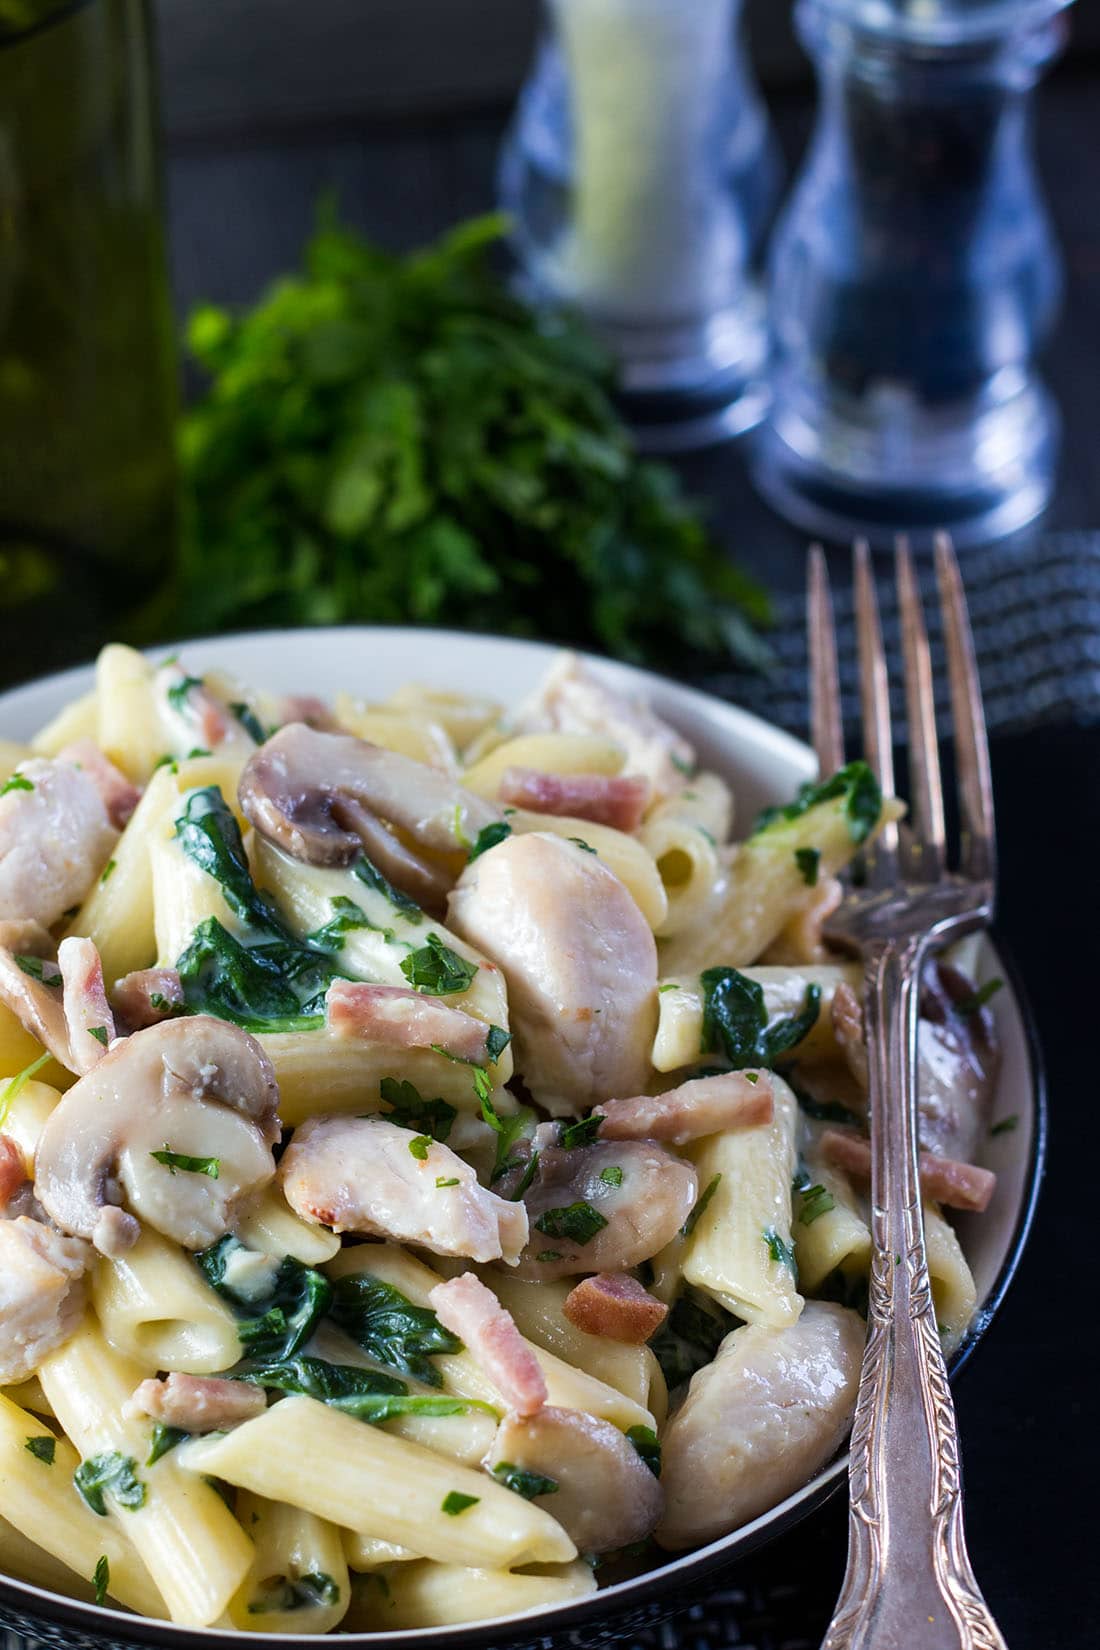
<point x="825" y="720"/>
<point x="925" y="789"/>
<point x="874" y="690"/>
<point x="978" y="854"/>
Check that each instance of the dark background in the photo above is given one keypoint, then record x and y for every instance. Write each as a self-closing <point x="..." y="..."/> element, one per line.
<point x="401" y="104"/>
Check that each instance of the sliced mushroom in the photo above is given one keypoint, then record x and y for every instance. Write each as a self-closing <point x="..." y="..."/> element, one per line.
<point x="472" y="1312"/>
<point x="616" y="1305"/>
<point x="41" y="1294"/>
<point x="362" y="1174"/>
<point x="701" y="1106"/>
<point x="606" y="1496"/>
<point x="196" y="1088"/>
<point x="580" y="963"/>
<point x="88" y="1018"/>
<point x="618" y="800"/>
<point x="197" y="1403"/>
<point x="55" y="838"/>
<point x="326" y="797"/>
<point x="759" y="1421"/>
<point x="603" y="1208"/>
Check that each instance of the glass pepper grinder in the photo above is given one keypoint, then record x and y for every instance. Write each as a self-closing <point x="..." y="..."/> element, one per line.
<point x="640" y="175"/>
<point x="913" y="277"/>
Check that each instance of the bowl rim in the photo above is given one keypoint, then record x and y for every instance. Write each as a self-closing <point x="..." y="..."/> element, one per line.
<point x="652" y="1586"/>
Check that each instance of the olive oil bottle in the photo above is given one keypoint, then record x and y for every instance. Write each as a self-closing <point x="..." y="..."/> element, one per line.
<point x="87" y="366"/>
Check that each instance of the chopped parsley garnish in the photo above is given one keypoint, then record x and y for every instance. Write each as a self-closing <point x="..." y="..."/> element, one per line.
<point x="546" y="1255"/>
<point x="38" y="968"/>
<point x="780" y="1251"/>
<point x="294" y="1304"/>
<point x="579" y="842"/>
<point x="855" y="783"/>
<point x="578" y="1222"/>
<point x="209" y="1166"/>
<point x="12" y="1090"/>
<point x="978" y="999"/>
<point x="496" y="1041"/>
<point x="177" y="693"/>
<point x="369" y="873"/>
<point x="648" y="1445"/>
<point x="249" y="721"/>
<point x="112" y="1474"/>
<point x="99" y="1033"/>
<point x="160" y="1002"/>
<point x="418" y="1147"/>
<point x="17" y="782"/>
<point x="612" y="1175"/>
<point x="488" y="837"/>
<point x="166" y="761"/>
<point x="454" y="1502"/>
<point x="105" y="874"/>
<point x="443" y="1180"/>
<point x="162" y="1439"/>
<point x="410" y="1110"/>
<point x="346" y="918"/>
<point x="808" y="860"/>
<point x="1006" y="1125"/>
<point x="304" y="1592"/>
<point x="669" y="985"/>
<point x="43" y="1448"/>
<point x="700" y="1208"/>
<point x="101" y="1578"/>
<point x="525" y="1483"/>
<point x="438" y="970"/>
<point x="815" y="1201"/>
<point x="514" y="1132"/>
<point x="389" y="1328"/>
<point x="197" y="751"/>
<point x="571" y="1135"/>
<point x="735" y="1019"/>
<point x="681" y="765"/>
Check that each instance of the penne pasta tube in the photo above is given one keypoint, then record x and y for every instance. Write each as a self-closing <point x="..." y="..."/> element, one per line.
<point x="953" y="1288"/>
<point x="26" y="1114"/>
<point x="441" y="1595"/>
<point x="18" y="1050"/>
<point x="271" y="1225"/>
<point x="560" y="753"/>
<point x="156" y="1308"/>
<point x="366" y="1552"/>
<point x="128" y="728"/>
<point x="323" y="1072"/>
<point x="298" y="1582"/>
<point x="365" y="1479"/>
<point x="679" y="1039"/>
<point x="11" y="755"/>
<point x="829" y="1226"/>
<point x="463" y="715"/>
<point x="409" y="732"/>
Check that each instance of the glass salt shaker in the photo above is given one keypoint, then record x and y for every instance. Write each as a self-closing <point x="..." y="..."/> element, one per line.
<point x="640" y="175"/>
<point x="913" y="277"/>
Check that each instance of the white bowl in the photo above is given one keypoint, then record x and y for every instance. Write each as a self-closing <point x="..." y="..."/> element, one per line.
<point x="764" y="765"/>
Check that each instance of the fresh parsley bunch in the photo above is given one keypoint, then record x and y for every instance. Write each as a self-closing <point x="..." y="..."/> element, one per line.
<point x="398" y="440"/>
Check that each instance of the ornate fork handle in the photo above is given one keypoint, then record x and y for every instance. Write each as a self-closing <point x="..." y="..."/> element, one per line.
<point x="908" y="1584"/>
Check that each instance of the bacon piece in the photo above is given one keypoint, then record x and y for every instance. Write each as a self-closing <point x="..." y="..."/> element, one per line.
<point x="703" y="1105"/>
<point x="120" y="798"/>
<point x="615" y="1304"/>
<point x="134" y="996"/>
<point x="619" y="801"/>
<point x="472" y="1312"/>
<point x="13" y="1170"/>
<point x="402" y="1018"/>
<point x="88" y="1017"/>
<point x="197" y="1403"/>
<point x="959" y="1185"/>
<point x="307" y="708"/>
<point x="847" y="1015"/>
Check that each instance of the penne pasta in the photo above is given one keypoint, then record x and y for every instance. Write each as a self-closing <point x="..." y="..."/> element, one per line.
<point x="439" y="1595"/>
<point x="559" y="753"/>
<point x="156" y="1309"/>
<point x="298" y="1581"/>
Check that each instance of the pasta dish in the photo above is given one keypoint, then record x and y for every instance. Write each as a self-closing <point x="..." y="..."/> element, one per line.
<point x="433" y="1158"/>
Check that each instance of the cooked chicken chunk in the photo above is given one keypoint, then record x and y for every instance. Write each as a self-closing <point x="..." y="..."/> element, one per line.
<point x="362" y="1174"/>
<point x="580" y="963"/>
<point x="197" y="1403"/>
<point x="120" y="797"/>
<point x="701" y="1106"/>
<point x="88" y="1017"/>
<point x="41" y="1294"/>
<point x="472" y="1312"/>
<point x="55" y="839"/>
<point x="757" y="1422"/>
<point x="606" y="1496"/>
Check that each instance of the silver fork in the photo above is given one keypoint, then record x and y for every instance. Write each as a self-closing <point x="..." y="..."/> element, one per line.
<point x="908" y="1584"/>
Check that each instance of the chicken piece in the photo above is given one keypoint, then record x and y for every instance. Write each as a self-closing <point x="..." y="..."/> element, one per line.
<point x="575" y="698"/>
<point x="198" y="1089"/>
<point x="959" y="1185"/>
<point x="120" y="797"/>
<point x="606" y="1497"/>
<point x="801" y="940"/>
<point x="580" y="963"/>
<point x="30" y="985"/>
<point x="55" y="839"/>
<point x="603" y="1208"/>
<point x="759" y="1421"/>
<point x="402" y="1018"/>
<point x="196" y="1403"/>
<point x="617" y="800"/>
<point x="41" y="1294"/>
<point x="148" y="996"/>
<point x="88" y="1017"/>
<point x="701" y="1106"/>
<point x="472" y="1312"/>
<point x="362" y="1174"/>
<point x="616" y="1305"/>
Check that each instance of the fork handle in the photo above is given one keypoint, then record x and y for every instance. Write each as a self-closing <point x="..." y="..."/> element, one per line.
<point x="908" y="1584"/>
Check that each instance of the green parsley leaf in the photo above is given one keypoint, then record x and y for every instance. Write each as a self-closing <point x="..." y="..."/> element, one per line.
<point x="13" y="1089"/>
<point x="196" y="751"/>
<point x="17" y="782"/>
<point x="438" y="970"/>
<point x="647" y="1444"/>
<point x="496" y="1041"/>
<point x="1006" y="1125"/>
<point x="545" y="1255"/>
<point x="172" y="1161"/>
<point x="700" y="1208"/>
<point x="38" y="968"/>
<point x="347" y="918"/>
<point x="368" y="873"/>
<point x="112" y="1474"/>
<point x="579" y="842"/>
<point x="488" y="837"/>
<point x="177" y="693"/>
<point x="454" y="1502"/>
<point x="389" y="1328"/>
<point x="101" y="1578"/>
<point x="43" y="1448"/>
<point x="249" y="721"/>
<point x="978" y="999"/>
<point x="856" y="783"/>
<point x="669" y="985"/>
<point x="410" y="1110"/>
<point x="583" y="1133"/>
<point x="525" y="1483"/>
<point x="578" y="1222"/>
<point x="808" y="860"/>
<point x="105" y="874"/>
<point x="815" y="1201"/>
<point x="419" y="1147"/>
<point x="162" y="1439"/>
<point x="780" y="1251"/>
<point x="289" y="1593"/>
<point x="612" y="1175"/>
<point x="99" y="1033"/>
<point x="442" y="1181"/>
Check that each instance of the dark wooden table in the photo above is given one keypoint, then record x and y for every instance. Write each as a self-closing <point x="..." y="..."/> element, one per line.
<point x="240" y="209"/>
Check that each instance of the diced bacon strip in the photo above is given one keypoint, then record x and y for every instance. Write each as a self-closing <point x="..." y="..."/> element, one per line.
<point x="91" y="1025"/>
<point x="197" y="1403"/>
<point x="148" y="996"/>
<point x="13" y="1170"/>
<point x="120" y="798"/>
<point x="305" y="707"/>
<point x="847" y="1013"/>
<point x="618" y="800"/>
<point x="703" y="1105"/>
<point x="959" y="1185"/>
<point x="402" y="1018"/>
<point x="615" y="1304"/>
<point x="473" y="1313"/>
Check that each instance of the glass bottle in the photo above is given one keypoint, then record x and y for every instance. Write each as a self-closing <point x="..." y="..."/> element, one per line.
<point x="913" y="277"/>
<point x="640" y="174"/>
<point x="87" y="363"/>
